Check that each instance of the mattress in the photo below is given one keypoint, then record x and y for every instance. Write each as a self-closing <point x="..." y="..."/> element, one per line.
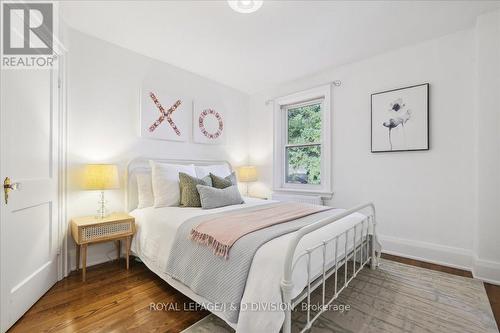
<point x="156" y="230"/>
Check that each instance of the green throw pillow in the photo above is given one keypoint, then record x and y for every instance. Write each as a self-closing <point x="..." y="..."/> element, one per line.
<point x="219" y="182"/>
<point x="189" y="194"/>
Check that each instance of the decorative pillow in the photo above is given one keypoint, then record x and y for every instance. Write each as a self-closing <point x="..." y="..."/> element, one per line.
<point x="145" y="196"/>
<point x="165" y="181"/>
<point x="220" y="170"/>
<point x="212" y="197"/>
<point x="189" y="194"/>
<point x="219" y="182"/>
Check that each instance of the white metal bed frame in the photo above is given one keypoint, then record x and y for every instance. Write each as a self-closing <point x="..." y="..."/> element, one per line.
<point x="368" y="249"/>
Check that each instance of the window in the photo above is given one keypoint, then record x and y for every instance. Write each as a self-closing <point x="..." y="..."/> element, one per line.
<point x="302" y="142"/>
<point x="303" y="146"/>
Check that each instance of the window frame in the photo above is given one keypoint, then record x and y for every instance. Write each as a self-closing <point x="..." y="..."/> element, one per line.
<point x="281" y="107"/>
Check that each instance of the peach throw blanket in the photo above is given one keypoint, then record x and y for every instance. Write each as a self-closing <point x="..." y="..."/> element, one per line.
<point x="221" y="232"/>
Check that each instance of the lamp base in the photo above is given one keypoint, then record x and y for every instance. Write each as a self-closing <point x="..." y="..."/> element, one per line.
<point x="102" y="211"/>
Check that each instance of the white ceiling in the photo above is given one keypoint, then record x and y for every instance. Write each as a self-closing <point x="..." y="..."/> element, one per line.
<point x="282" y="41"/>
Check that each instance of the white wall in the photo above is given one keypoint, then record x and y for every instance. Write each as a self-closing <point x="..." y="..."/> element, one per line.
<point x="487" y="265"/>
<point x="425" y="200"/>
<point x="104" y="82"/>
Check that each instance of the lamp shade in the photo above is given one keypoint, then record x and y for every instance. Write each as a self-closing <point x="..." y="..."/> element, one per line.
<point x="247" y="174"/>
<point x="100" y="177"/>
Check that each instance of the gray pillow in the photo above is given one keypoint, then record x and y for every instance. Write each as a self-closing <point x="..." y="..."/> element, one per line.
<point x="212" y="197"/>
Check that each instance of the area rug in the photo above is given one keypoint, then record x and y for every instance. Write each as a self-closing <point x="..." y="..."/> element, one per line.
<point x="394" y="298"/>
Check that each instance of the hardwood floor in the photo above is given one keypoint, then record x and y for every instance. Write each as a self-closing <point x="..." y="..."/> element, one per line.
<point x="111" y="300"/>
<point x="116" y="300"/>
<point x="435" y="267"/>
<point x="493" y="292"/>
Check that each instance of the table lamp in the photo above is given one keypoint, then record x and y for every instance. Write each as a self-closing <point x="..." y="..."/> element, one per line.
<point x="247" y="174"/>
<point x="100" y="177"/>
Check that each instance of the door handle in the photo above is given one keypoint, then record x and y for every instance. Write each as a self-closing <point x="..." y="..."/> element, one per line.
<point x="7" y="187"/>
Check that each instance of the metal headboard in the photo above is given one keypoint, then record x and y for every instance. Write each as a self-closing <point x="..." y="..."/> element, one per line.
<point x="141" y="165"/>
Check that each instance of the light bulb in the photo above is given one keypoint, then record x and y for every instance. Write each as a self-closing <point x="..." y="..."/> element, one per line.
<point x="245" y="6"/>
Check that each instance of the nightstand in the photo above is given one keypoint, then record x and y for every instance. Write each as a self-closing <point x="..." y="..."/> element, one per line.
<point x="90" y="229"/>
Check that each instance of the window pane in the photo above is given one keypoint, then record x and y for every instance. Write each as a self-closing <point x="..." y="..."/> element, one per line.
<point x="303" y="165"/>
<point x="304" y="124"/>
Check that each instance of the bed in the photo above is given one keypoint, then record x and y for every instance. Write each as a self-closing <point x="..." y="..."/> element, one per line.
<point x="293" y="265"/>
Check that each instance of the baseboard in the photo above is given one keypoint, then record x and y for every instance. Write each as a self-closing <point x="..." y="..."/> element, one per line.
<point x="428" y="252"/>
<point x="484" y="270"/>
<point x="487" y="271"/>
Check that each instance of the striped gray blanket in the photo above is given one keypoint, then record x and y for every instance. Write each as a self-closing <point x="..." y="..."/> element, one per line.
<point x="222" y="281"/>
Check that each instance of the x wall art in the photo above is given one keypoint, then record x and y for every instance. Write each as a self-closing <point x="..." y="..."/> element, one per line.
<point x="400" y="119"/>
<point x="208" y="123"/>
<point x="164" y="116"/>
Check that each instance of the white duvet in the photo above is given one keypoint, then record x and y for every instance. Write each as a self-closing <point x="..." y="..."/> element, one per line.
<point x="156" y="229"/>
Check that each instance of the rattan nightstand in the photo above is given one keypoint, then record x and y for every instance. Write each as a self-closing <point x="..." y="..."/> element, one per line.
<point x="90" y="229"/>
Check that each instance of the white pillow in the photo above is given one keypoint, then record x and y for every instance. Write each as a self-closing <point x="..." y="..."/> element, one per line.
<point x="220" y="170"/>
<point x="145" y="196"/>
<point x="165" y="180"/>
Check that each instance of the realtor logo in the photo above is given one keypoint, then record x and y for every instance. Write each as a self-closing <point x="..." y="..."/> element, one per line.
<point x="27" y="39"/>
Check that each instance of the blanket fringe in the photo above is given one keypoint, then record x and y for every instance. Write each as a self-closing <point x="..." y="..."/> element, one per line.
<point x="219" y="249"/>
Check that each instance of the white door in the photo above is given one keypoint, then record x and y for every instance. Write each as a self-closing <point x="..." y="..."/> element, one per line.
<point x="29" y="157"/>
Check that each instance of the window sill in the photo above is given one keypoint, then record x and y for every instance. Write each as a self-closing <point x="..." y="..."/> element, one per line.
<point x="324" y="194"/>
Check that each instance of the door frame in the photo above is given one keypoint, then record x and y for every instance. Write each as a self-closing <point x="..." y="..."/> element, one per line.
<point x="62" y="83"/>
<point x="62" y="139"/>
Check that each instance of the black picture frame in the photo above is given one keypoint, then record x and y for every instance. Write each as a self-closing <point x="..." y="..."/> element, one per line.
<point x="427" y="112"/>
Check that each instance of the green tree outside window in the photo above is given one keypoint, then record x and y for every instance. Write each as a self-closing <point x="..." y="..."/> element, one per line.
<point x="303" y="151"/>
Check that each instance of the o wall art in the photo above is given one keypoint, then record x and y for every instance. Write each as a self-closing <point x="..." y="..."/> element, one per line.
<point x="164" y="116"/>
<point x="208" y="123"/>
<point x="400" y="119"/>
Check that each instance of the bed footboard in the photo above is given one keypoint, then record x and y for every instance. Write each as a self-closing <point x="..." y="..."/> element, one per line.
<point x="368" y="250"/>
